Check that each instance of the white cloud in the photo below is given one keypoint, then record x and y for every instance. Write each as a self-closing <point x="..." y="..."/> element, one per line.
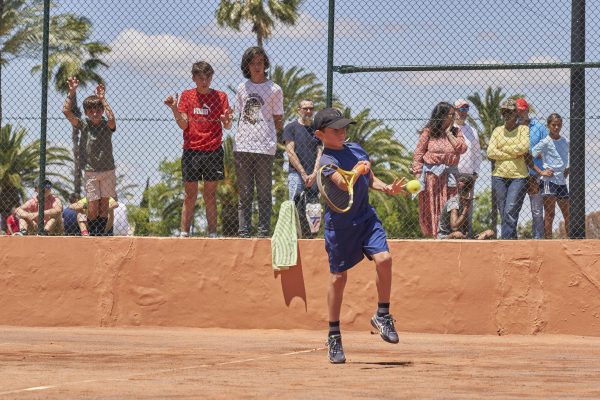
<point x="160" y="54"/>
<point x="306" y="27"/>
<point x="503" y="78"/>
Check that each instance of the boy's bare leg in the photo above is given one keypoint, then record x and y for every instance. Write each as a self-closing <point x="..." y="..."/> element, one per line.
<point x="93" y="209"/>
<point x="549" y="206"/>
<point x="335" y="295"/>
<point x="209" y="194"/>
<point x="487" y="234"/>
<point x="382" y="320"/>
<point x="383" y="263"/>
<point x="189" y="202"/>
<point x="563" y="204"/>
<point x="103" y="207"/>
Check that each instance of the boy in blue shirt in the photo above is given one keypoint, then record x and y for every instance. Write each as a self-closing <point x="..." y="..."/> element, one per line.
<point x="554" y="150"/>
<point x="352" y="235"/>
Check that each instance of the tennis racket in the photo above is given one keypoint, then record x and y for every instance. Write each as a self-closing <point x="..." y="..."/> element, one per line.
<point x="339" y="198"/>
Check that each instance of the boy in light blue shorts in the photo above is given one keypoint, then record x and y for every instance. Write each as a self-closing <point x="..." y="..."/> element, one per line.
<point x="358" y="232"/>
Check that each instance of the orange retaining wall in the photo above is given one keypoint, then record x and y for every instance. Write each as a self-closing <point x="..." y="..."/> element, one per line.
<point x="466" y="287"/>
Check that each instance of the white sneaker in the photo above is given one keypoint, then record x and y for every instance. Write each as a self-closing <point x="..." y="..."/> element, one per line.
<point x="184" y="234"/>
<point x="212" y="235"/>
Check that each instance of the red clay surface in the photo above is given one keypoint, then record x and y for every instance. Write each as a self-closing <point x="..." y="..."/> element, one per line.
<point x="145" y="363"/>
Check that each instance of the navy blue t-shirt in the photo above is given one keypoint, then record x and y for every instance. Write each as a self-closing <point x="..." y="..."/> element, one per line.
<point x="70" y="222"/>
<point x="361" y="210"/>
<point x="305" y="144"/>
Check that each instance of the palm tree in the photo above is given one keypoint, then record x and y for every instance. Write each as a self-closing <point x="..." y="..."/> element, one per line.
<point x="19" y="166"/>
<point x="297" y="85"/>
<point x="19" y="20"/>
<point x="261" y="16"/>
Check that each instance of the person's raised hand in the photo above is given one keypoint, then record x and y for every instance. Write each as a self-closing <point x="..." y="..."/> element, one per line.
<point x="101" y="91"/>
<point x="73" y="84"/>
<point x="396" y="187"/>
<point x="171" y="101"/>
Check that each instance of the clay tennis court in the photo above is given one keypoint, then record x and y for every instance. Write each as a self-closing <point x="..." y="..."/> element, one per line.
<point x="111" y="363"/>
<point x="133" y="318"/>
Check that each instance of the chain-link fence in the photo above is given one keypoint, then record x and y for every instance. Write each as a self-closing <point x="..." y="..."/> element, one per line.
<point x="414" y="64"/>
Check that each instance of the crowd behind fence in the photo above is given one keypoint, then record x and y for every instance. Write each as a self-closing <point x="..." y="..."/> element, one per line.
<point x="261" y="151"/>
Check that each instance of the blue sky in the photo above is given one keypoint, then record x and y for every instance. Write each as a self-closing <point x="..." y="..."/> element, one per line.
<point x="154" y="44"/>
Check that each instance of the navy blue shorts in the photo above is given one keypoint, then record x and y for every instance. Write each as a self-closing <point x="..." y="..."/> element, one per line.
<point x="552" y="189"/>
<point x="347" y="247"/>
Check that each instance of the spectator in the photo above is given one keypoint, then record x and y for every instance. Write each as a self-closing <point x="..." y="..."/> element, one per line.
<point x="260" y="104"/>
<point x="202" y="113"/>
<point x="28" y="213"/>
<point x="304" y="150"/>
<point x="12" y="222"/>
<point x="435" y="164"/>
<point x="96" y="131"/>
<point x="456" y="211"/>
<point x="121" y="225"/>
<point x="554" y="150"/>
<point x="70" y="218"/>
<point x="508" y="146"/>
<point x="82" y="209"/>
<point x="469" y="162"/>
<point x="537" y="132"/>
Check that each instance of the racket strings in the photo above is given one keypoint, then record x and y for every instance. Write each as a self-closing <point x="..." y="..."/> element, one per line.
<point x="336" y="197"/>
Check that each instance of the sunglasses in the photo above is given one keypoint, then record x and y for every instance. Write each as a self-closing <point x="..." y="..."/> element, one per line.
<point x="463" y="109"/>
<point x="307" y="108"/>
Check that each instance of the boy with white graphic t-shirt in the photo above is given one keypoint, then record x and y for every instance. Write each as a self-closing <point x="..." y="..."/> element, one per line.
<point x="260" y="104"/>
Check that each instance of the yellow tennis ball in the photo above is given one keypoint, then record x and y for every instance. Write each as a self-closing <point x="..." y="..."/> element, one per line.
<point x="413" y="186"/>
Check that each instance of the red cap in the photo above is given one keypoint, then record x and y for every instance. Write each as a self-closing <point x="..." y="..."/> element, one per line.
<point x="522" y="104"/>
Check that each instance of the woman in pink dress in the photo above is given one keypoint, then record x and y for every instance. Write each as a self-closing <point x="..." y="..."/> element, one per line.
<point x="435" y="164"/>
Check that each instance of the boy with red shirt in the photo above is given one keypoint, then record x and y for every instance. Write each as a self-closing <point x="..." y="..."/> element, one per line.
<point x="202" y="113"/>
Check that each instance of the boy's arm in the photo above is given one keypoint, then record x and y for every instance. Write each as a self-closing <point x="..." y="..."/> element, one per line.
<point x="77" y="206"/>
<point x="457" y="220"/>
<point x="313" y="176"/>
<point x="73" y="84"/>
<point x="101" y="93"/>
<point x="394" y="188"/>
<point x="180" y="117"/>
<point x="56" y="209"/>
<point x="23" y="211"/>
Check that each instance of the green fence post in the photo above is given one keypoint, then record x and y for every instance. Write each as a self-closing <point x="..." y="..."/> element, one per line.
<point x="44" y="115"/>
<point x="577" y="110"/>
<point x="330" y="33"/>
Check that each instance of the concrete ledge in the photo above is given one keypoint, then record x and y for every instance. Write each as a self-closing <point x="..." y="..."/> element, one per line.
<point x="464" y="287"/>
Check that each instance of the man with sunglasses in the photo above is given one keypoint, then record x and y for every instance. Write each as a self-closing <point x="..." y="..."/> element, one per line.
<point x="303" y="150"/>
<point x="470" y="161"/>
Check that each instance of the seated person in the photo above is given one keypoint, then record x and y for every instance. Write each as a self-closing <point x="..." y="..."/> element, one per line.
<point x="81" y="207"/>
<point x="12" y="222"/>
<point x="70" y="218"/>
<point x="454" y="217"/>
<point x="28" y="213"/>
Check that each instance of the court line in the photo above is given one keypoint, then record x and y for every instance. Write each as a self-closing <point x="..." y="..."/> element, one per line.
<point x="160" y="371"/>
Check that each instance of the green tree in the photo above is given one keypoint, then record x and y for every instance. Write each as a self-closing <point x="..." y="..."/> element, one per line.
<point x="297" y="85"/>
<point x="19" y="166"/>
<point x="261" y="14"/>
<point x="389" y="160"/>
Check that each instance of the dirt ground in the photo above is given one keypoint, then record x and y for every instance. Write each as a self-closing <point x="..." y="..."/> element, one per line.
<point x="143" y="363"/>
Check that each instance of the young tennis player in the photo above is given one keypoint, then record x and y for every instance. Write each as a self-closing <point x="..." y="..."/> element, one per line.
<point x="351" y="235"/>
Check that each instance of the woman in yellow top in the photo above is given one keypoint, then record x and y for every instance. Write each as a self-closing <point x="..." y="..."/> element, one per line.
<point x="507" y="149"/>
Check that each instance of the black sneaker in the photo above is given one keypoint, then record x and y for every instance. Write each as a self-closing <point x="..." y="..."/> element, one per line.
<point x="385" y="326"/>
<point x="335" y="349"/>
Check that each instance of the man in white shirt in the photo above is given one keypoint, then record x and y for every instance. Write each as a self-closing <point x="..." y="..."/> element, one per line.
<point x="469" y="162"/>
